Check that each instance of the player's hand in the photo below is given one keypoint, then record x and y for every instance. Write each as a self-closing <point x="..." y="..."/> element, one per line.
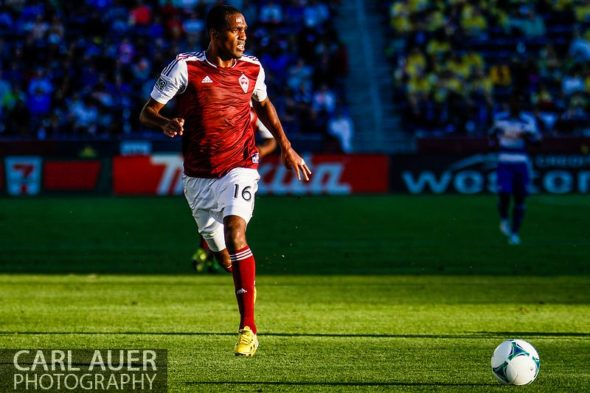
<point x="174" y="127"/>
<point x="293" y="161"/>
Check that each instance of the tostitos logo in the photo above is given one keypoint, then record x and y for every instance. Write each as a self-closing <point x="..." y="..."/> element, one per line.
<point x="161" y="174"/>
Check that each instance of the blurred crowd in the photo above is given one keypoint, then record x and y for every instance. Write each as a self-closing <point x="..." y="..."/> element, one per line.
<point x="457" y="62"/>
<point x="85" y="68"/>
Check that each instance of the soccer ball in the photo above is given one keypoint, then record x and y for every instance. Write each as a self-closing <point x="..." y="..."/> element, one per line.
<point x="516" y="362"/>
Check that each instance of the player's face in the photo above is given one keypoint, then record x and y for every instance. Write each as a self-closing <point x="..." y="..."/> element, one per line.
<point x="233" y="38"/>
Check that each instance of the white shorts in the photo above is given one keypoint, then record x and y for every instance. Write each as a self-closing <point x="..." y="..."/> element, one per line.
<point x="213" y="199"/>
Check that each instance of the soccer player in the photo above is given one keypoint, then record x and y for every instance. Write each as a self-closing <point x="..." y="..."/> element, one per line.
<point x="266" y="143"/>
<point x="214" y="89"/>
<point x="203" y="259"/>
<point x="512" y="131"/>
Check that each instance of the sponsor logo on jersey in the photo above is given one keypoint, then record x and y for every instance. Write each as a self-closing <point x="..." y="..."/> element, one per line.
<point x="244" y="82"/>
<point x="161" y="84"/>
<point x="206" y="79"/>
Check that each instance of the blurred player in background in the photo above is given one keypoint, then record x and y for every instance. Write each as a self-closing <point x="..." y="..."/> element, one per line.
<point x="203" y="260"/>
<point x="512" y="131"/>
<point x="214" y="89"/>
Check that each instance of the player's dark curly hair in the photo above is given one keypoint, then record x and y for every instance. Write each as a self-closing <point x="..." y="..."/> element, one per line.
<point x="217" y="16"/>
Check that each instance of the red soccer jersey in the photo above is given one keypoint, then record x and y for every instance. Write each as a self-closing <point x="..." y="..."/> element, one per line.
<point x="215" y="104"/>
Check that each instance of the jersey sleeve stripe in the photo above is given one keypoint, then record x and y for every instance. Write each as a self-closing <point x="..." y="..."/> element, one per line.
<point x="168" y="69"/>
<point x="250" y="59"/>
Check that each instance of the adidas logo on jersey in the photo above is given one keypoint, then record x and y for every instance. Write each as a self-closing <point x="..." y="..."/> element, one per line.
<point x="206" y="79"/>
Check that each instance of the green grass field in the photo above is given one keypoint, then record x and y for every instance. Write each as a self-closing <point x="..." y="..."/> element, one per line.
<point x="354" y="293"/>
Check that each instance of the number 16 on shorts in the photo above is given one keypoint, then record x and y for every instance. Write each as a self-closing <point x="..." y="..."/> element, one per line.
<point x="245" y="193"/>
<point x="244" y="183"/>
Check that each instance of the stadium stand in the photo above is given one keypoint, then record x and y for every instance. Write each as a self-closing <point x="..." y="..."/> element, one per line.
<point x="456" y="62"/>
<point x="84" y="69"/>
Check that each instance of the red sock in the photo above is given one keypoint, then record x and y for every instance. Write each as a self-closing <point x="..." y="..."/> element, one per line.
<point x="244" y="272"/>
<point x="203" y="244"/>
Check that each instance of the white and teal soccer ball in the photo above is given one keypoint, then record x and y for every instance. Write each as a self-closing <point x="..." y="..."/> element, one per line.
<point x="516" y="362"/>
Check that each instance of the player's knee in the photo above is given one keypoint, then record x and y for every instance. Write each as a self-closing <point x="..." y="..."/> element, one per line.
<point x="235" y="239"/>
<point x="235" y="233"/>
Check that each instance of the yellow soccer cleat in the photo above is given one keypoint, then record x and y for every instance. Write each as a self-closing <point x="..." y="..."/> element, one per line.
<point x="247" y="343"/>
<point x="199" y="260"/>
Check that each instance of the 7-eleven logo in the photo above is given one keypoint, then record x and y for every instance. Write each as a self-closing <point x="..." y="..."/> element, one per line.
<point x="171" y="180"/>
<point x="23" y="175"/>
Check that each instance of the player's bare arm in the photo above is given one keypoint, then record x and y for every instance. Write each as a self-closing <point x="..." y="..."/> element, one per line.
<point x="150" y="116"/>
<point x="268" y="115"/>
<point x="266" y="147"/>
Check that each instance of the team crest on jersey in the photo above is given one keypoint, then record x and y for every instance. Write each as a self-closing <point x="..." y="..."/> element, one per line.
<point x="244" y="82"/>
<point x="161" y="84"/>
<point x="256" y="158"/>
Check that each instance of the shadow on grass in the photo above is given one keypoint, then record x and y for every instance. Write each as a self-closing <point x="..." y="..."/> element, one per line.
<point x="466" y="335"/>
<point x="310" y="383"/>
<point x="537" y="334"/>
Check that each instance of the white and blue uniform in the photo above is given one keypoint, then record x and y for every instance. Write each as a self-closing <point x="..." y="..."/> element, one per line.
<point x="513" y="133"/>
